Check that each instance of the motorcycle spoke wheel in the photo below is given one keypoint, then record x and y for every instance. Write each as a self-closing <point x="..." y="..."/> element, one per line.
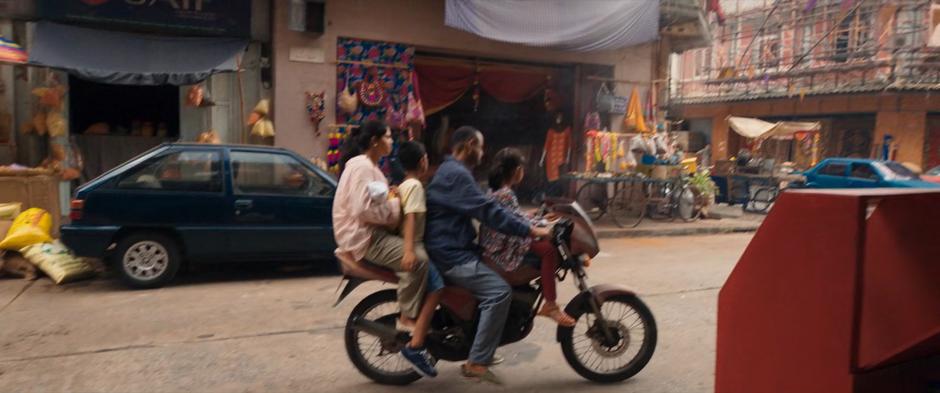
<point x="629" y="348"/>
<point x="381" y="355"/>
<point x="378" y="359"/>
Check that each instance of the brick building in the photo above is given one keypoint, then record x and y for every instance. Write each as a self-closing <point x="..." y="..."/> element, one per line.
<point x="864" y="69"/>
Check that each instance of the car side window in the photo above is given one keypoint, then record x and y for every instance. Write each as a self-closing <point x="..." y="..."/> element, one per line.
<point x="194" y="171"/>
<point x="272" y="173"/>
<point x="863" y="171"/>
<point x="834" y="169"/>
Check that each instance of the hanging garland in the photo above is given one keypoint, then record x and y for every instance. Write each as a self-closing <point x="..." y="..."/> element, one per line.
<point x="333" y="153"/>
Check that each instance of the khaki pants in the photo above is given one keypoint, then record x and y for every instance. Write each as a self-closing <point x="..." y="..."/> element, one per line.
<point x="387" y="250"/>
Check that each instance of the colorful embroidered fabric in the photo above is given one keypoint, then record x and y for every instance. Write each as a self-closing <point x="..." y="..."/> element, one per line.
<point x="395" y="81"/>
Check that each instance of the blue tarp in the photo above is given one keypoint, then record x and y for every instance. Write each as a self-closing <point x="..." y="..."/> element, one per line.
<point x="133" y="59"/>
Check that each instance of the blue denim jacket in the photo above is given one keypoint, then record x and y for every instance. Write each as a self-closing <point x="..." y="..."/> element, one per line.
<point x="454" y="199"/>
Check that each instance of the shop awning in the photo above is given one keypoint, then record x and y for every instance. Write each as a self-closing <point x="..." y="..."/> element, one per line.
<point x="132" y="59"/>
<point x="759" y="129"/>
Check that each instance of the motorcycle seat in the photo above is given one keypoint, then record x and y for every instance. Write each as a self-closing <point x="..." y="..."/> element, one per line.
<point x="351" y="267"/>
<point x="527" y="271"/>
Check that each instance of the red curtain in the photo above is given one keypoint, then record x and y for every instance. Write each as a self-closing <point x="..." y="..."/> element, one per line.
<point x="443" y="84"/>
<point x="513" y="86"/>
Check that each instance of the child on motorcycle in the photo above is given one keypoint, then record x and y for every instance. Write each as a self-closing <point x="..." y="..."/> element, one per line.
<point x="414" y="158"/>
<point x="365" y="209"/>
<point x="507" y="251"/>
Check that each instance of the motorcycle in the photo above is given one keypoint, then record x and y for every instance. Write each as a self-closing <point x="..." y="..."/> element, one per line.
<point x="613" y="339"/>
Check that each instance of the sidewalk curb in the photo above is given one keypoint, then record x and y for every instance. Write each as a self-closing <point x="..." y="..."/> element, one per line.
<point x="632" y="232"/>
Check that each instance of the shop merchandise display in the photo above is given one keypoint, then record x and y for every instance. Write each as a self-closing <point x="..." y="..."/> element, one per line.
<point x="58" y="262"/>
<point x="259" y="122"/>
<point x="337" y="136"/>
<point x="592" y="121"/>
<point x="14" y="264"/>
<point x="11" y="52"/>
<point x="556" y="153"/>
<point x="372" y="90"/>
<point x="30" y="227"/>
<point x="346" y="101"/>
<point x="316" y="109"/>
<point x="634" y="121"/>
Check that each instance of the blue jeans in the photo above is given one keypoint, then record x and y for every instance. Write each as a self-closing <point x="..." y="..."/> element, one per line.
<point x="494" y="295"/>
<point x="435" y="280"/>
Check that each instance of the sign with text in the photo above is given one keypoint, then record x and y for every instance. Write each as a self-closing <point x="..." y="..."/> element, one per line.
<point x="196" y="17"/>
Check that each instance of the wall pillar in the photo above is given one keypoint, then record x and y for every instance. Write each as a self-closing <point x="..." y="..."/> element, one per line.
<point x="721" y="136"/>
<point x="909" y="129"/>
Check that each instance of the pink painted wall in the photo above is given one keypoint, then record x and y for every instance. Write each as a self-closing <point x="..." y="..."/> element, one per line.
<point x="415" y="22"/>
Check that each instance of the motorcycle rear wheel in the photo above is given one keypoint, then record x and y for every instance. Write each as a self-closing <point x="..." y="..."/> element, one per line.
<point x="591" y="357"/>
<point x="378" y="360"/>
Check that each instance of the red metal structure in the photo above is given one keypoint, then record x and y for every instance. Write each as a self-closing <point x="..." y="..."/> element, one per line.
<point x="839" y="291"/>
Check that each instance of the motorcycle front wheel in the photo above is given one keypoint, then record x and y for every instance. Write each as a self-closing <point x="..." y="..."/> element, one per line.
<point x="616" y="357"/>
<point x="378" y="359"/>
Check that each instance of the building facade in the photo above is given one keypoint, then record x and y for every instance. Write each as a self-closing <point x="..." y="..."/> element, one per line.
<point x="865" y="69"/>
<point x="313" y="63"/>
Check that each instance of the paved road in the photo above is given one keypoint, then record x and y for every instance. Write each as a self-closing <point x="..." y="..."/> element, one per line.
<point x="270" y="329"/>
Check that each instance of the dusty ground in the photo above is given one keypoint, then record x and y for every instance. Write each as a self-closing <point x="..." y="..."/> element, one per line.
<point x="271" y="329"/>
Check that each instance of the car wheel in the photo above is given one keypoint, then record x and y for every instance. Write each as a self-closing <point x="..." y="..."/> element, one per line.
<point x="146" y="259"/>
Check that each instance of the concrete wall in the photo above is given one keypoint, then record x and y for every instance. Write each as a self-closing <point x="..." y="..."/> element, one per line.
<point x="415" y="22"/>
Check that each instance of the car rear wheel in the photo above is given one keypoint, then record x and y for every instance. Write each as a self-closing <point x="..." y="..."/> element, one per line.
<point x="146" y="259"/>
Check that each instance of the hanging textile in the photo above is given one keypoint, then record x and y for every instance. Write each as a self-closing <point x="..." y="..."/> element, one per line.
<point x="443" y="84"/>
<point x="557" y="144"/>
<point x="11" y="52"/>
<point x="586" y="25"/>
<point x="394" y="80"/>
<point x="634" y="120"/>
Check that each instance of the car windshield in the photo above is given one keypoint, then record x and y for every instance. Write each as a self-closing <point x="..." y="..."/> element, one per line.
<point x="934" y="172"/>
<point x="895" y="171"/>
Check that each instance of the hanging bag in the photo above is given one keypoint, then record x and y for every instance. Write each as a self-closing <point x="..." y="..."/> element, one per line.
<point x="414" y="114"/>
<point x="347" y="101"/>
<point x="604" y="100"/>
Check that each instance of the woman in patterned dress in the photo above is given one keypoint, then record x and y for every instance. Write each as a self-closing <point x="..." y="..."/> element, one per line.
<point x="508" y="251"/>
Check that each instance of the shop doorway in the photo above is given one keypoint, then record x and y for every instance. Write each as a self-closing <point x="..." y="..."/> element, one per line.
<point x="522" y="124"/>
<point x="113" y="123"/>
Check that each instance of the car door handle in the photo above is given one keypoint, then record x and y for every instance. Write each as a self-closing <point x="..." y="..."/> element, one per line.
<point x="243" y="204"/>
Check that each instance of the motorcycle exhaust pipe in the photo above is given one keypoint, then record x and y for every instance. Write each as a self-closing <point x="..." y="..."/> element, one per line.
<point x="380" y="330"/>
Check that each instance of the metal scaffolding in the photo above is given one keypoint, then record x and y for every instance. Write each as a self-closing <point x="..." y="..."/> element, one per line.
<point x="795" y="47"/>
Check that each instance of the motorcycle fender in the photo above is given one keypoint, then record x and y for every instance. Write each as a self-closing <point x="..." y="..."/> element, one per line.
<point x="351" y="284"/>
<point x="600" y="292"/>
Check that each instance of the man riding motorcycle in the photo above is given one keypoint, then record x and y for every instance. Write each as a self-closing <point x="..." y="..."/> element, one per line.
<point x="454" y="199"/>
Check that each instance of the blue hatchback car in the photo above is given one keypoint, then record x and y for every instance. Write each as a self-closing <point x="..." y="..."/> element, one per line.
<point x="203" y="203"/>
<point x="862" y="173"/>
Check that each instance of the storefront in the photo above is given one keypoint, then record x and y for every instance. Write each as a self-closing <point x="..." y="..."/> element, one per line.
<point x="516" y="94"/>
<point x="106" y="81"/>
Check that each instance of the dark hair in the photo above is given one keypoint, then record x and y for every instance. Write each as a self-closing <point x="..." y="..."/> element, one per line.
<point x="506" y="162"/>
<point x="360" y="139"/>
<point x="463" y="134"/>
<point x="410" y="154"/>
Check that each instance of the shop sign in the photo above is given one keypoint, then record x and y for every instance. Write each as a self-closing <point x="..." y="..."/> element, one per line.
<point x="197" y="17"/>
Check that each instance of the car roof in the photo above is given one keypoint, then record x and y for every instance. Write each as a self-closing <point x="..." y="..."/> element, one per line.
<point x="850" y="160"/>
<point x="225" y="146"/>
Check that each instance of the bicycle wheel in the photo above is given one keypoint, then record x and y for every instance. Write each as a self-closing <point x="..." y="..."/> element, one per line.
<point x="660" y="201"/>
<point x="593" y="198"/>
<point x="685" y="205"/>
<point x="629" y="205"/>
<point x="763" y="199"/>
